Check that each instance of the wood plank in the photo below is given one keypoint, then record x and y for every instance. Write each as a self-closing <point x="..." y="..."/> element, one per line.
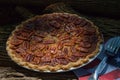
<point x="109" y="8"/>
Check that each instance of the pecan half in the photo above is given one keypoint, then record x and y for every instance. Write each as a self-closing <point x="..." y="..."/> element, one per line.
<point x="65" y="50"/>
<point x="54" y="33"/>
<point x="25" y="45"/>
<point x="34" y="47"/>
<point x="93" y="38"/>
<point x="73" y="49"/>
<point x="65" y="16"/>
<point x="85" y="44"/>
<point x="36" y="60"/>
<point x="83" y="23"/>
<point x="23" y="35"/>
<point x="54" y="24"/>
<point x="29" y="57"/>
<point x="13" y="47"/>
<point x="52" y="49"/>
<point x="38" y="53"/>
<point x="20" y="50"/>
<point x="36" y="38"/>
<point x="60" y="45"/>
<point x="50" y="41"/>
<point x="54" y="61"/>
<point x="46" y="59"/>
<point x="88" y="24"/>
<point x="79" y="54"/>
<point x="64" y="37"/>
<point x="86" y="39"/>
<point x="68" y="43"/>
<point x="70" y="27"/>
<point x="63" y="61"/>
<point x="73" y="58"/>
<point x="41" y="34"/>
<point x="90" y="29"/>
<point x="77" y="21"/>
<point x="15" y="41"/>
<point x="85" y="50"/>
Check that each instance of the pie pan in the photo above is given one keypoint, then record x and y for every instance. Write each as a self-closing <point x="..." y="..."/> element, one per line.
<point x="53" y="43"/>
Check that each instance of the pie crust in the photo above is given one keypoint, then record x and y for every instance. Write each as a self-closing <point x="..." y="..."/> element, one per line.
<point x="52" y="42"/>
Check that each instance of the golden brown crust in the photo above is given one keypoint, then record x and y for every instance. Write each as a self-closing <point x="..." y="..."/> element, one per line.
<point x="29" y="65"/>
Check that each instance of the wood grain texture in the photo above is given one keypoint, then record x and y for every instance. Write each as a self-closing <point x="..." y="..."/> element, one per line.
<point x="109" y="8"/>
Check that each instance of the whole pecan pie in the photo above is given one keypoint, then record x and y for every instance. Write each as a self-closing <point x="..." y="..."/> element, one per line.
<point x="55" y="41"/>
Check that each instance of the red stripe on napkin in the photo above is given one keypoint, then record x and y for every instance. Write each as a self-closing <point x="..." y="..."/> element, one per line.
<point x="113" y="75"/>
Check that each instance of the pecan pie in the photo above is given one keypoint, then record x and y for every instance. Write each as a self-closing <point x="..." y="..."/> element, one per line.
<point x="55" y="41"/>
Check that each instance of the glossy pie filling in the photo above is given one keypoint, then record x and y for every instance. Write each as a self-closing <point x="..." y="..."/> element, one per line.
<point x="53" y="39"/>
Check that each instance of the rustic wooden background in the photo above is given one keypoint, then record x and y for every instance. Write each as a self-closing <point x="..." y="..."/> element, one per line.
<point x="105" y="14"/>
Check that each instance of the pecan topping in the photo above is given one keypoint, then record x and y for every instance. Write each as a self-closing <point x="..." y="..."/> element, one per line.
<point x="20" y="50"/>
<point x="29" y="26"/>
<point x="23" y="35"/>
<point x="36" y="38"/>
<point x="64" y="37"/>
<point x="86" y="39"/>
<point x="13" y="47"/>
<point x="79" y="54"/>
<point x="68" y="44"/>
<point x="15" y="41"/>
<point x="73" y="58"/>
<point x="50" y="41"/>
<point x="90" y="30"/>
<point x="41" y="33"/>
<point x="54" y="40"/>
<point x="29" y="57"/>
<point x="78" y="32"/>
<point x="65" y="50"/>
<point x="85" y="50"/>
<point x="41" y="46"/>
<point x="36" y="60"/>
<point x="26" y="45"/>
<point x="46" y="59"/>
<point x="70" y="27"/>
<point x="65" y="16"/>
<point x="38" y="53"/>
<point x="93" y="38"/>
<point x="83" y="23"/>
<point x="54" y="61"/>
<point x="85" y="44"/>
<point x="77" y="21"/>
<point x="52" y="50"/>
<point x="88" y="24"/>
<point x="54" y="32"/>
<point x="55" y="24"/>
<point x="67" y="29"/>
<point x="60" y="45"/>
<point x="35" y="47"/>
<point x="60" y="55"/>
<point x="63" y="61"/>
<point x="73" y="49"/>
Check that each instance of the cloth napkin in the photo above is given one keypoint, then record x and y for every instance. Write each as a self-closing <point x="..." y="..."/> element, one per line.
<point x="112" y="71"/>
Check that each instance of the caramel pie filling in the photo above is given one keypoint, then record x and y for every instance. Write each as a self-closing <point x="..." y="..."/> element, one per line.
<point x="54" y="39"/>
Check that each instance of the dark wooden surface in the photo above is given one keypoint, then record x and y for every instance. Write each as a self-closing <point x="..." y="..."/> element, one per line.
<point x="14" y="15"/>
<point x="97" y="7"/>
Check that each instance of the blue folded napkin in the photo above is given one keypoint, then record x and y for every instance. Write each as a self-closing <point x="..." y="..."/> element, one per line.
<point x="113" y="64"/>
